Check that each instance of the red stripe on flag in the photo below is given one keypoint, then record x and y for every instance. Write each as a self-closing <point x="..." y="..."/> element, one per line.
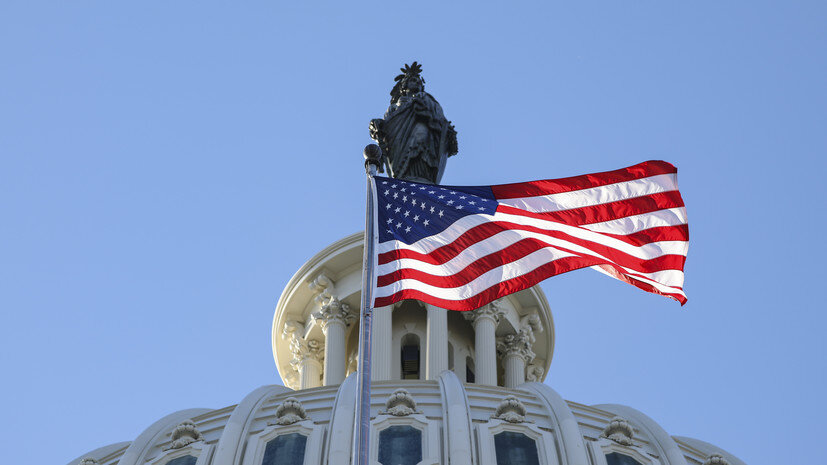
<point x="555" y="186"/>
<point x="605" y="211"/>
<point x="517" y="251"/>
<point x="678" y="232"/>
<point x="512" y="285"/>
<point x="484" y="231"/>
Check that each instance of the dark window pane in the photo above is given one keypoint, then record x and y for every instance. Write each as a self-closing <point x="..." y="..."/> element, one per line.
<point x="619" y="459"/>
<point x="469" y="375"/>
<point x="287" y="449"/>
<point x="515" y="449"/>
<point x="410" y="362"/>
<point x="400" y="445"/>
<point x="185" y="460"/>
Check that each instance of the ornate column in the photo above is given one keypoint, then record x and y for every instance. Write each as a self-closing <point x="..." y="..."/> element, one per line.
<point x="307" y="359"/>
<point x="515" y="350"/>
<point x="485" y="320"/>
<point x="307" y="355"/>
<point x="334" y="318"/>
<point x="436" y="358"/>
<point x="381" y="350"/>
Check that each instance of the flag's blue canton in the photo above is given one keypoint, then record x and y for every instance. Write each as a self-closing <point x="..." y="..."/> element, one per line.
<point x="409" y="211"/>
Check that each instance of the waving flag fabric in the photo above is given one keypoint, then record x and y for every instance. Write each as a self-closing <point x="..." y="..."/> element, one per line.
<point x="462" y="247"/>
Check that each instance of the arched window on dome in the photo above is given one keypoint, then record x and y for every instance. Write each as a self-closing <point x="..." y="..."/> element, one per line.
<point x="291" y="437"/>
<point x="510" y="437"/>
<point x="616" y="458"/>
<point x="450" y="356"/>
<point x="515" y="449"/>
<point x="401" y="434"/>
<point x="185" y="460"/>
<point x="469" y="370"/>
<point x="185" y="445"/>
<point x="410" y="356"/>
<point x="617" y="445"/>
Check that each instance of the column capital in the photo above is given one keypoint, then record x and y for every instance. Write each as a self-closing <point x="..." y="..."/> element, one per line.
<point x="334" y="311"/>
<point x="305" y="350"/>
<point x="301" y="348"/>
<point x="492" y="311"/>
<point x="519" y="345"/>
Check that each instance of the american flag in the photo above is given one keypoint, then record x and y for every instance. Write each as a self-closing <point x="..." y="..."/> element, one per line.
<point x="460" y="248"/>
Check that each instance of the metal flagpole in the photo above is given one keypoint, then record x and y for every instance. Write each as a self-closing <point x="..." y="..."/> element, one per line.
<point x="361" y="430"/>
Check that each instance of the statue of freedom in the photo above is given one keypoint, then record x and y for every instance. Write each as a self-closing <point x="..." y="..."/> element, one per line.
<point x="415" y="137"/>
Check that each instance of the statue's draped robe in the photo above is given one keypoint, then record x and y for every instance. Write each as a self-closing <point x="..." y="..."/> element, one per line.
<point x="417" y="138"/>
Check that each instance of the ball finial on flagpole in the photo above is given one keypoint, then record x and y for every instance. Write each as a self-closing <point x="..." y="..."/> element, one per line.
<point x="373" y="155"/>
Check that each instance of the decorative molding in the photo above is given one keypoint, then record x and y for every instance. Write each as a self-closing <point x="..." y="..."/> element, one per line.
<point x="492" y="310"/>
<point x="322" y="285"/>
<point x="534" y="373"/>
<point x="293" y="329"/>
<point x="510" y="410"/>
<point x="619" y="430"/>
<point x="185" y="434"/>
<point x="399" y="404"/>
<point x="301" y="348"/>
<point x="291" y="378"/>
<point x="288" y="412"/>
<point x="198" y="449"/>
<point x="531" y="324"/>
<point x="88" y="461"/>
<point x="519" y="344"/>
<point x="716" y="459"/>
<point x="603" y="446"/>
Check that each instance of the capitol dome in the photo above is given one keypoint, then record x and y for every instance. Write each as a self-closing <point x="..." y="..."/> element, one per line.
<point x="459" y="388"/>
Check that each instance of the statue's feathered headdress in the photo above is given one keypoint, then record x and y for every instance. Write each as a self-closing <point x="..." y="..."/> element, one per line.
<point x="412" y="70"/>
<point x="415" y="69"/>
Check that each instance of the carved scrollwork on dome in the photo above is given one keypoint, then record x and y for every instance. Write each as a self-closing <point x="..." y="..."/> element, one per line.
<point x="534" y="373"/>
<point x="399" y="404"/>
<point x="530" y="324"/>
<point x="88" y="461"/>
<point x="290" y="411"/>
<point x="185" y="434"/>
<point x="716" y="459"/>
<point x="322" y="286"/>
<point x="301" y="348"/>
<point x="510" y="410"/>
<point x="619" y="430"/>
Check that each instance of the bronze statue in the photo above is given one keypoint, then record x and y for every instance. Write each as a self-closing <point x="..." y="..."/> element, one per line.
<point x="415" y="137"/>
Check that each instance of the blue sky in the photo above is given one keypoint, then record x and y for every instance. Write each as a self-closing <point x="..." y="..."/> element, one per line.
<point x="165" y="167"/>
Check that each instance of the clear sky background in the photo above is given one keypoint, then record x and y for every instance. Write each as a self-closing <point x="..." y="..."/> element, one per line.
<point x="165" y="167"/>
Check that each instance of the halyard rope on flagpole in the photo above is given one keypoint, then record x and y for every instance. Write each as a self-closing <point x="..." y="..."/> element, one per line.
<point x="361" y="430"/>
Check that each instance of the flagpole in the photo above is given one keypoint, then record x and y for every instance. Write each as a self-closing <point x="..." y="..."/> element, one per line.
<point x="361" y="430"/>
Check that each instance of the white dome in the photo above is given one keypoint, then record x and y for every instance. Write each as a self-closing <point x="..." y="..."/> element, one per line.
<point x="458" y="422"/>
<point x="445" y="415"/>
